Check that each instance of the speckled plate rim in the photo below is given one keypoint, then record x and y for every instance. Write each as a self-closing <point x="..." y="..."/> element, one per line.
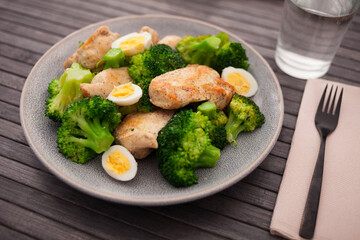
<point x="162" y="200"/>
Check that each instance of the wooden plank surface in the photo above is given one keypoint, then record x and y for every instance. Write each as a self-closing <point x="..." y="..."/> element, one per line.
<point x="34" y="204"/>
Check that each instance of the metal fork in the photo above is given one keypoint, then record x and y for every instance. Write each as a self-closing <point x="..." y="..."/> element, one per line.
<point x="325" y="122"/>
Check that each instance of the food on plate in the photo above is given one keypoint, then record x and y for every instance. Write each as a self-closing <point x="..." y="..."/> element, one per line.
<point x="199" y="50"/>
<point x="170" y="40"/>
<point x="244" y="116"/>
<point x="119" y="163"/>
<point x="214" y="51"/>
<point x="184" y="146"/>
<point x="169" y="94"/>
<point x="103" y="83"/>
<point x="138" y="132"/>
<point x="194" y="83"/>
<point x="218" y="120"/>
<point x="133" y="43"/>
<point x="244" y="83"/>
<point x="65" y="90"/>
<point x="144" y="67"/>
<point x="114" y="58"/>
<point x="91" y="52"/>
<point x="154" y="34"/>
<point x="231" y="54"/>
<point x="86" y="128"/>
<point x="125" y="94"/>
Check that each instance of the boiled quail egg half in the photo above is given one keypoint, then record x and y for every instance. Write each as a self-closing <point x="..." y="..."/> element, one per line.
<point x="243" y="82"/>
<point x="119" y="163"/>
<point x="133" y="43"/>
<point x="125" y="94"/>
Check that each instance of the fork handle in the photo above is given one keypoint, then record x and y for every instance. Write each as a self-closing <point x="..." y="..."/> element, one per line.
<point x="308" y="221"/>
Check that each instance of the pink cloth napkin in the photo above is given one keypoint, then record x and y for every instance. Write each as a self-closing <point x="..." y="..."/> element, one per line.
<point x="339" y="208"/>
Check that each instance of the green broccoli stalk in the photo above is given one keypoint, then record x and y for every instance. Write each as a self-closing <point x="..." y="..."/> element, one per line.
<point x="158" y="60"/>
<point x="114" y="58"/>
<point x="218" y="119"/>
<point x="86" y="128"/>
<point x="230" y="54"/>
<point x="65" y="90"/>
<point x="244" y="116"/>
<point x="184" y="146"/>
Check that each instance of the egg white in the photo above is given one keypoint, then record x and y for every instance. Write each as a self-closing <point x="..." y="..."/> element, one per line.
<point x="249" y="77"/>
<point x="127" y="176"/>
<point x="133" y="51"/>
<point x="126" y="101"/>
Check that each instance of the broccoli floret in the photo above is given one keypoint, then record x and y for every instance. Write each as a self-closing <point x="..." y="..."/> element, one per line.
<point x="86" y="128"/>
<point x="65" y="90"/>
<point x="230" y="54"/>
<point x="114" y="58"/>
<point x="218" y="119"/>
<point x="184" y="146"/>
<point x="198" y="50"/>
<point x="244" y="116"/>
<point x="158" y="60"/>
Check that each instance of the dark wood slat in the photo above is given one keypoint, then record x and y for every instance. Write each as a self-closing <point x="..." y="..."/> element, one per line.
<point x="41" y="14"/>
<point x="18" y="218"/>
<point x="10" y="234"/>
<point x="240" y="211"/>
<point x="230" y="228"/>
<point x="25" y="43"/>
<point x="73" y="12"/>
<point x="273" y="164"/>
<point x="148" y="221"/>
<point x="12" y="131"/>
<point x="9" y="112"/>
<point x="36" y="23"/>
<point x="281" y="149"/>
<point x="66" y="213"/>
<point x="264" y="179"/>
<point x="18" y="54"/>
<point x="20" y="152"/>
<point x="29" y="33"/>
<point x="9" y="95"/>
<point x="286" y="135"/>
<point x="251" y="194"/>
<point x="101" y="9"/>
<point x="11" y="80"/>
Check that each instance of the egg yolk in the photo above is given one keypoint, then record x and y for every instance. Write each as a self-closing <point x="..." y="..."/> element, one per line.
<point x="133" y="42"/>
<point x="117" y="162"/>
<point x="123" y="91"/>
<point x="240" y="83"/>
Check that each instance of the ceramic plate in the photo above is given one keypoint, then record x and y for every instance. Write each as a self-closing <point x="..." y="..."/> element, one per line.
<point x="148" y="187"/>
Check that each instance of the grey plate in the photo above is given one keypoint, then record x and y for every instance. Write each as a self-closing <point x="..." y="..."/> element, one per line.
<point x="148" y="187"/>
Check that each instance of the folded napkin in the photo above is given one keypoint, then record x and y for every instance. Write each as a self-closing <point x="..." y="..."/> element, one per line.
<point x="339" y="207"/>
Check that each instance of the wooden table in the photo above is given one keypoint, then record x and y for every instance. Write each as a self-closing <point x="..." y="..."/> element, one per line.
<point x="34" y="204"/>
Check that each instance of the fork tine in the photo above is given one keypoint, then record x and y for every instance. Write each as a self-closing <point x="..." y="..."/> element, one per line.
<point x="333" y="102"/>
<point x="328" y="101"/>
<point x="321" y="103"/>
<point x="337" y="110"/>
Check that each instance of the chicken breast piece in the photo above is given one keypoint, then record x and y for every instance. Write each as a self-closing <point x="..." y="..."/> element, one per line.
<point x="91" y="52"/>
<point x="138" y="132"/>
<point x="103" y="83"/>
<point x="194" y="83"/>
<point x="154" y="34"/>
<point x="170" y="40"/>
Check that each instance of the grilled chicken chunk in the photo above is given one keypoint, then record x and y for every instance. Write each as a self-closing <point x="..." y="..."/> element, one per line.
<point x="170" y="40"/>
<point x="138" y="132"/>
<point x="91" y="52"/>
<point x="194" y="83"/>
<point x="103" y="83"/>
<point x="154" y="34"/>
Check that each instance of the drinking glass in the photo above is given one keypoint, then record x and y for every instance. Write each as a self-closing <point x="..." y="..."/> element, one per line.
<point x="310" y="34"/>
